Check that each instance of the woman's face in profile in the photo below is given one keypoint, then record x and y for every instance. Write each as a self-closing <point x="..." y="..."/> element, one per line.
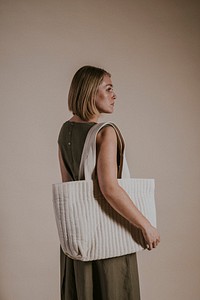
<point x="105" y="98"/>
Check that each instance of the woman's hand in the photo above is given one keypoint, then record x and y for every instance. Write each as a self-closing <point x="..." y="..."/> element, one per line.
<point x="151" y="236"/>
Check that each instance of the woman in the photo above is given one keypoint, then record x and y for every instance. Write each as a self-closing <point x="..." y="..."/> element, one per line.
<point x="91" y="94"/>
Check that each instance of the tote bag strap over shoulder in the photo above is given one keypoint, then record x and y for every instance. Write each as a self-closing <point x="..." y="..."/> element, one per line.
<point x="88" y="158"/>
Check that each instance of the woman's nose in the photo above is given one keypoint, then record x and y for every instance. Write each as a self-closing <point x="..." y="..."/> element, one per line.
<point x="114" y="95"/>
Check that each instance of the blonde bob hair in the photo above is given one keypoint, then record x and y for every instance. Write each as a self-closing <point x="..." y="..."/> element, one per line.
<point x="83" y="90"/>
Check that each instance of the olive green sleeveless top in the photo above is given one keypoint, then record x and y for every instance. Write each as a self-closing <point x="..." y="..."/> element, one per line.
<point x="71" y="141"/>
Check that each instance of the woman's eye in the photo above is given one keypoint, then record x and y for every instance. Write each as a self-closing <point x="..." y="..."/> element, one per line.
<point x="109" y="89"/>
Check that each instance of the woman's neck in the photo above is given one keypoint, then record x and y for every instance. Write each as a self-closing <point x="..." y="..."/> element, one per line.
<point x="76" y="118"/>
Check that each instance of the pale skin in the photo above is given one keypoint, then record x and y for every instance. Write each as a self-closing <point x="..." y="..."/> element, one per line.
<point x="107" y="167"/>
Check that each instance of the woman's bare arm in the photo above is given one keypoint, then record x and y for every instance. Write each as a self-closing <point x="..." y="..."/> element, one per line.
<point x="114" y="194"/>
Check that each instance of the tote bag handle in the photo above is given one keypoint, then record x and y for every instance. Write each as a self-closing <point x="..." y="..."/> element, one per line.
<point x="88" y="158"/>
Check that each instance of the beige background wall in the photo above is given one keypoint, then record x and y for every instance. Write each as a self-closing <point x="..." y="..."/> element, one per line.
<point x="152" y="50"/>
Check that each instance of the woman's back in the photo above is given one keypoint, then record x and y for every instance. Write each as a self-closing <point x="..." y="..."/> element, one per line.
<point x="71" y="141"/>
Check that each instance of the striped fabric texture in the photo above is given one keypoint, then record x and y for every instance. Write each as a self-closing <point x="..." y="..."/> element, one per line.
<point x="88" y="227"/>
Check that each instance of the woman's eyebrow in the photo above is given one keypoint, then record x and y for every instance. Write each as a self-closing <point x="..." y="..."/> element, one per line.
<point x="109" y="84"/>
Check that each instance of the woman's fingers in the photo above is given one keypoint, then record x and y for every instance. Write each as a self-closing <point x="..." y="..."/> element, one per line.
<point x="152" y="238"/>
<point x="153" y="245"/>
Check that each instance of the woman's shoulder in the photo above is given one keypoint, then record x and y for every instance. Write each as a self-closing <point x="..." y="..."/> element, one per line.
<point x="64" y="127"/>
<point x="107" y="134"/>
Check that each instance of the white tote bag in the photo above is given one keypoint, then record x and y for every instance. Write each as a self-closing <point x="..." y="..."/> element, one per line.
<point x="88" y="227"/>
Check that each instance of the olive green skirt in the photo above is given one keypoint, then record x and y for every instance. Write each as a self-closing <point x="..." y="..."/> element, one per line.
<point x="107" y="279"/>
